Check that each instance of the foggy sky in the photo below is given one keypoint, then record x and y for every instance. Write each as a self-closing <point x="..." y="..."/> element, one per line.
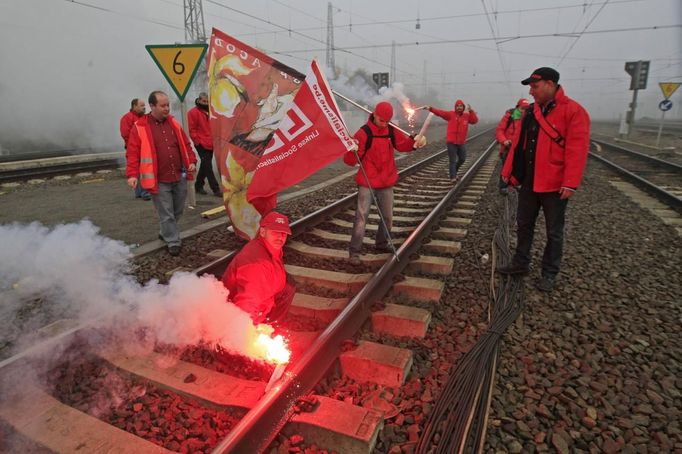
<point x="69" y="69"/>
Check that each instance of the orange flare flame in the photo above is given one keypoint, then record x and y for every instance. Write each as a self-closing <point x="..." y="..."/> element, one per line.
<point x="275" y="349"/>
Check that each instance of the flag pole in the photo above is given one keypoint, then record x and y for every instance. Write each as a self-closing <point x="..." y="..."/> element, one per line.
<point x="362" y="169"/>
<point x="359" y="106"/>
<point x="376" y="202"/>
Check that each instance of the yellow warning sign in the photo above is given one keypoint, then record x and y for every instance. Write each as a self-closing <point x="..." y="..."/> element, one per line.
<point x="668" y="88"/>
<point x="178" y="63"/>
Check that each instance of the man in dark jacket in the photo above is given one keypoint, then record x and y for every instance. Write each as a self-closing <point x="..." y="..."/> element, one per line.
<point x="256" y="278"/>
<point x="458" y="125"/>
<point x="376" y="142"/>
<point x="548" y="162"/>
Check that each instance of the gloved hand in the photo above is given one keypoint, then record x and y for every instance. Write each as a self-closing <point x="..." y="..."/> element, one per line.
<point x="419" y="141"/>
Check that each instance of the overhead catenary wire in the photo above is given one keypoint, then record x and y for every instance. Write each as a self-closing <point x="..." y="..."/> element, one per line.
<point x="508" y="38"/>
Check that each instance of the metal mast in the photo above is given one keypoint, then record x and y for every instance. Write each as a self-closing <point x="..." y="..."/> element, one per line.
<point x="195" y="32"/>
<point x="330" y="38"/>
<point x="392" y="75"/>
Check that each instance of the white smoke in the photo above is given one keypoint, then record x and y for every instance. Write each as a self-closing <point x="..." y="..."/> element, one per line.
<point x="76" y="273"/>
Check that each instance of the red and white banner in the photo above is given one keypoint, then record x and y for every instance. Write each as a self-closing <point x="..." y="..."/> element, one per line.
<point x="249" y="95"/>
<point x="311" y="136"/>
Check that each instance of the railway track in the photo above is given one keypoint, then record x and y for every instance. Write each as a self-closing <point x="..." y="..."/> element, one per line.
<point x="24" y="170"/>
<point x="659" y="177"/>
<point x="430" y="217"/>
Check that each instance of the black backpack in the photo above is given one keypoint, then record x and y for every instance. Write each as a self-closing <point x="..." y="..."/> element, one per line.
<point x="370" y="136"/>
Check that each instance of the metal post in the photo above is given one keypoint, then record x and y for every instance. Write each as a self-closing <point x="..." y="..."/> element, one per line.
<point x="660" y="129"/>
<point x="633" y="106"/>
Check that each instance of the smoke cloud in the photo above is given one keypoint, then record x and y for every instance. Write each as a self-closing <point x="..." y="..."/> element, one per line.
<point x="76" y="273"/>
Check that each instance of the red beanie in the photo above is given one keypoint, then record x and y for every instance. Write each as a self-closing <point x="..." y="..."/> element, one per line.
<point x="384" y="110"/>
<point x="523" y="102"/>
<point x="459" y="102"/>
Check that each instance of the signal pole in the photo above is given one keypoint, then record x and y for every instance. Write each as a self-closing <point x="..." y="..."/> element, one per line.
<point x="392" y="75"/>
<point x="330" y="39"/>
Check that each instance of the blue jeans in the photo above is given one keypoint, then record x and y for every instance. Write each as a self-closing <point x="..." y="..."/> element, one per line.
<point x="139" y="192"/>
<point x="170" y="203"/>
<point x="457" y="155"/>
<point x="554" y="210"/>
<point x="385" y="200"/>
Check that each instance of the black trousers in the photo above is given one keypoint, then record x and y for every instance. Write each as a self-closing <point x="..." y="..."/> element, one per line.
<point x="554" y="210"/>
<point x="503" y="157"/>
<point x="206" y="170"/>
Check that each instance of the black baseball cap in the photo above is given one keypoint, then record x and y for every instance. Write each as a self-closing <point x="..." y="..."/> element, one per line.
<point x="543" y="73"/>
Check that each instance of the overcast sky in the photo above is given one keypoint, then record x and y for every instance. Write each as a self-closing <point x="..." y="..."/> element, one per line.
<point x="70" y="68"/>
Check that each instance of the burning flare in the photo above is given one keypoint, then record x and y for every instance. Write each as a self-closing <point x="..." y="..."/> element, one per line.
<point x="407" y="107"/>
<point x="270" y="349"/>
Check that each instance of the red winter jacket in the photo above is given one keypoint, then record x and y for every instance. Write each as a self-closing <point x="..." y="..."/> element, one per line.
<point x="126" y="124"/>
<point x="254" y="277"/>
<point x="378" y="161"/>
<point x="507" y="129"/>
<point x="458" y="124"/>
<point x="141" y="160"/>
<point x="557" y="166"/>
<point x="199" y="128"/>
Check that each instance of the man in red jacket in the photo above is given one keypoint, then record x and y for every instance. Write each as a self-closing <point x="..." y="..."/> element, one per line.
<point x="200" y="133"/>
<point x="160" y="159"/>
<point x="458" y="125"/>
<point x="548" y="162"/>
<point x="137" y="109"/>
<point x="256" y="278"/>
<point x="507" y="130"/>
<point x="376" y="141"/>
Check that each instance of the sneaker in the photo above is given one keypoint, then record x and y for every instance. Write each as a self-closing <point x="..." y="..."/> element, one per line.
<point x="174" y="250"/>
<point x="355" y="260"/>
<point x="201" y="191"/>
<point x="545" y="284"/>
<point x="512" y="269"/>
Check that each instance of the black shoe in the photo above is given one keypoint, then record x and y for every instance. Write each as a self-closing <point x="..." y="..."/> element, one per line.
<point x="384" y="249"/>
<point x="174" y="250"/>
<point x="513" y="269"/>
<point x="201" y="191"/>
<point x="218" y="194"/>
<point x="161" y="238"/>
<point x="146" y="197"/>
<point x="545" y="284"/>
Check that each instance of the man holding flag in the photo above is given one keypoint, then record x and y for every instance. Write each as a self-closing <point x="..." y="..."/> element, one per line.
<point x="376" y="141"/>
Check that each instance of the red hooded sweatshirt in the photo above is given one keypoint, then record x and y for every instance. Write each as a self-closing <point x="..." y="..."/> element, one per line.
<point x="458" y="123"/>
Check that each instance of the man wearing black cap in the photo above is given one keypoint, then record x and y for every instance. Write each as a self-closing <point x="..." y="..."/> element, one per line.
<point x="548" y="163"/>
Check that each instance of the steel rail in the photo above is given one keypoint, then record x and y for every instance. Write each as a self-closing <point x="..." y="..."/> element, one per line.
<point x="56" y="169"/>
<point x="260" y="425"/>
<point x="218" y="266"/>
<point x="644" y="157"/>
<point x="670" y="199"/>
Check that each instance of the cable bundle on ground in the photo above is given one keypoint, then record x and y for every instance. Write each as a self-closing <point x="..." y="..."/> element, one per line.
<point x="458" y="421"/>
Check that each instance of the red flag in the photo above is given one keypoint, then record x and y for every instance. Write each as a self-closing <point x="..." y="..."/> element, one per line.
<point x="249" y="95"/>
<point x="311" y="136"/>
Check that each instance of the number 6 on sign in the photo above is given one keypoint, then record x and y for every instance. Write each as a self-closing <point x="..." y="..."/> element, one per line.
<point x="178" y="63"/>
